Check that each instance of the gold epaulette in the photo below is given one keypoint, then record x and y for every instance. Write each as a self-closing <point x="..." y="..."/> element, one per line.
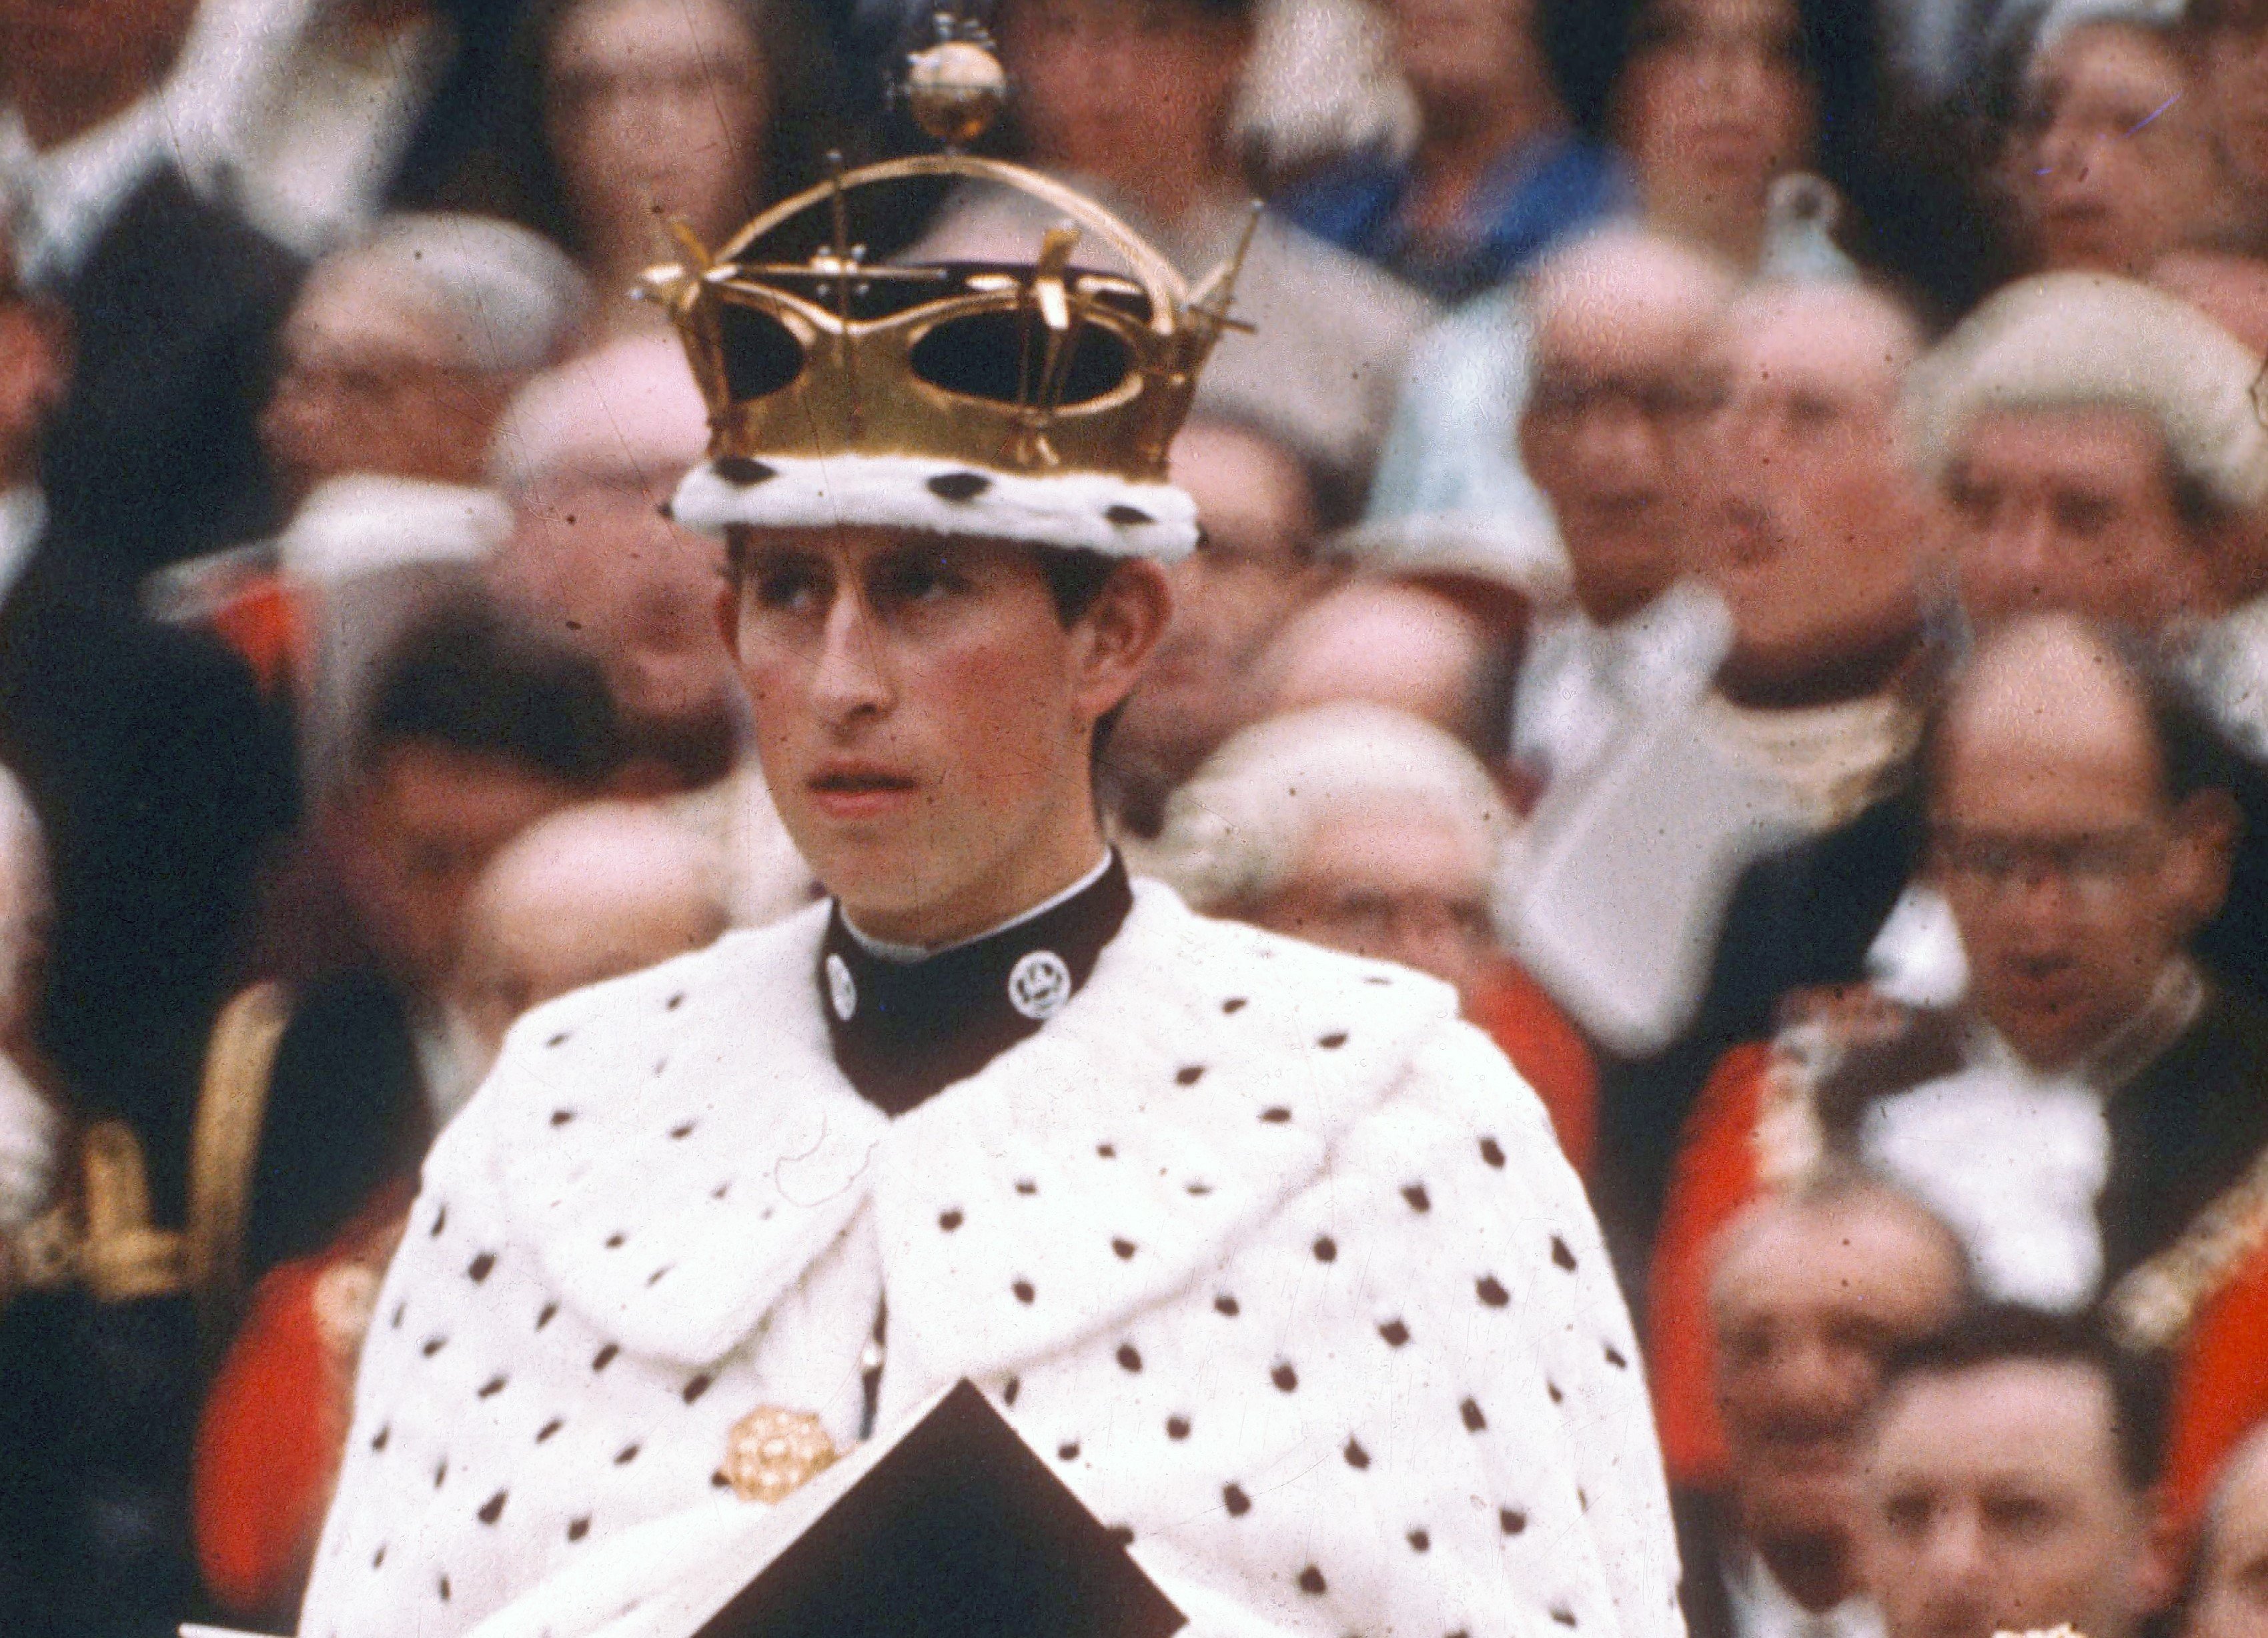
<point x="2158" y="1300"/>
<point x="231" y="1107"/>
<point x="102" y="1237"/>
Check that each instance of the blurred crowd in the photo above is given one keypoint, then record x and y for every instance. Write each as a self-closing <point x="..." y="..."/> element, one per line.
<point x="1737" y="537"/>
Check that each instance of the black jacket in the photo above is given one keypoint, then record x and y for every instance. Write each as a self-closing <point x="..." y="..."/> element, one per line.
<point x="153" y="455"/>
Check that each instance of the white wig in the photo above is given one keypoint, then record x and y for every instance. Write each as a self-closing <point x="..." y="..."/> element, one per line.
<point x="2156" y="17"/>
<point x="509" y="299"/>
<point x="2090" y="341"/>
<point x="1233" y="834"/>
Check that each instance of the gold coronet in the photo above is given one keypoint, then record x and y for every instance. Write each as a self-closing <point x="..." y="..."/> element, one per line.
<point x="1036" y="368"/>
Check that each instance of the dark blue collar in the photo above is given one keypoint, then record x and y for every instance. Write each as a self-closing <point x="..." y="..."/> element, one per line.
<point x="904" y="1031"/>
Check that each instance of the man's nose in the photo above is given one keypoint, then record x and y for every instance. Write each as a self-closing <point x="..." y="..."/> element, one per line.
<point x="1819" y="1385"/>
<point x="1954" y="1558"/>
<point x="1617" y="439"/>
<point x="851" y="678"/>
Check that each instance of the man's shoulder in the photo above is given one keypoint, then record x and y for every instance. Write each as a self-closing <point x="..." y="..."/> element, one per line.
<point x="166" y="236"/>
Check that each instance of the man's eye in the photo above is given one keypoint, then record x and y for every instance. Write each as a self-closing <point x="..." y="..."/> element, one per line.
<point x="790" y="588"/>
<point x="2022" y="1516"/>
<point x="915" y="582"/>
<point x="1907" y="1515"/>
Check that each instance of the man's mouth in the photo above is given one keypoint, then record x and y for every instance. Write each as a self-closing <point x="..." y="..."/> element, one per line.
<point x="860" y="793"/>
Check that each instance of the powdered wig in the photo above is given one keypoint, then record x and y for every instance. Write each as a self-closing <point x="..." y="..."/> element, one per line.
<point x="2089" y="341"/>
<point x="1234" y="834"/>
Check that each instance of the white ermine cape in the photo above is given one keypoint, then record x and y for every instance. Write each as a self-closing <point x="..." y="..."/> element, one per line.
<point x="1272" y="1257"/>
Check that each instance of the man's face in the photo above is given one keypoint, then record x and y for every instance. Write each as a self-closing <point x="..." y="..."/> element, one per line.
<point x="2111" y="162"/>
<point x="2235" y="69"/>
<point x="1397" y="883"/>
<point x="1807" y="1303"/>
<point x="1110" y="89"/>
<point x="2074" y="510"/>
<point x="1619" y="404"/>
<point x="2072" y="881"/>
<point x="590" y="550"/>
<point x="925" y="717"/>
<point x="1456" y="53"/>
<point x="1993" y="1501"/>
<point x="367" y="385"/>
<point x="1229" y="599"/>
<point x="425" y="822"/>
<point x="1823" y="538"/>
<point x="2232" y="1596"/>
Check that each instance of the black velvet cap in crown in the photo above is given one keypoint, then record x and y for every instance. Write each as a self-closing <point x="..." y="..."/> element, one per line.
<point x="959" y="1531"/>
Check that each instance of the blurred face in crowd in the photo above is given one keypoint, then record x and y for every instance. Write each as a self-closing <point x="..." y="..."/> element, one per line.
<point x="69" y="64"/>
<point x="1458" y="56"/>
<point x="2110" y="161"/>
<point x="1819" y="552"/>
<point x="1229" y="599"/>
<point x="925" y="717"/>
<point x="591" y="893"/>
<point x="34" y="371"/>
<point x="1128" y="93"/>
<point x="1806" y="1301"/>
<point x="655" y="108"/>
<point x="1387" y="642"/>
<point x="419" y="827"/>
<point x="2232" y="1571"/>
<point x="2230" y="290"/>
<point x="1395" y="879"/>
<point x="369" y="384"/>
<point x="2072" y="509"/>
<point x="2072" y="879"/>
<point x="2233" y="72"/>
<point x="1993" y="1500"/>
<point x="1627" y="376"/>
<point x="1715" y="104"/>
<point x="591" y="551"/>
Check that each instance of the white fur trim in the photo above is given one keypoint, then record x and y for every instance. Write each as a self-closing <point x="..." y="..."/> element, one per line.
<point x="1071" y="509"/>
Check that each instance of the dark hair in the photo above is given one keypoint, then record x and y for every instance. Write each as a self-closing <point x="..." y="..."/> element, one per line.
<point x="1998" y="1334"/>
<point x="803" y="79"/>
<point x="2212" y="17"/>
<point x="469" y="677"/>
<point x="1908" y="176"/>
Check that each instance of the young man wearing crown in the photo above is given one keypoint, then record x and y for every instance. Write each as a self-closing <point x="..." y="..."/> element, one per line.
<point x="1273" y="1260"/>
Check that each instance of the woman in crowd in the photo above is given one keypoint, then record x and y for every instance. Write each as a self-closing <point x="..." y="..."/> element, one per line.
<point x="2109" y="162"/>
<point x="639" y="112"/>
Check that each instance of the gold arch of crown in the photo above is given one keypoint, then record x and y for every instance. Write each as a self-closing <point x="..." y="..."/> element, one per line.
<point x="858" y="391"/>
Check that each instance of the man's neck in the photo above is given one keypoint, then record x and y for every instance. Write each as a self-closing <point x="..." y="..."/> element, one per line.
<point x="1815" y="1570"/>
<point x="1852" y="674"/>
<point x="1461" y="145"/>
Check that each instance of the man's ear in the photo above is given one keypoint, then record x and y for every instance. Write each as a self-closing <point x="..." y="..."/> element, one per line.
<point x="2206" y="826"/>
<point x="1115" y="638"/>
<point x="2159" y="1560"/>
